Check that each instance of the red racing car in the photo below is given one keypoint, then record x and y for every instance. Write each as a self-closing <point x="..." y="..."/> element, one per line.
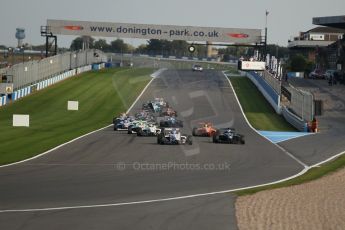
<point x="204" y="130"/>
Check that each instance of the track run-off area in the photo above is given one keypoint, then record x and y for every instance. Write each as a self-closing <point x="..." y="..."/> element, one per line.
<point x="112" y="178"/>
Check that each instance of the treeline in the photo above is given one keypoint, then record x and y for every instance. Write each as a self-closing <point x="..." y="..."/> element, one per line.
<point x="153" y="47"/>
<point x="165" y="48"/>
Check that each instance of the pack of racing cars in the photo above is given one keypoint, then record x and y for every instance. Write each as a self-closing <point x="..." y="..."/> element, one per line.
<point x="157" y="118"/>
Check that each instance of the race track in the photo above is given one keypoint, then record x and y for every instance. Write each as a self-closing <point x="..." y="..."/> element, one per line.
<point x="103" y="168"/>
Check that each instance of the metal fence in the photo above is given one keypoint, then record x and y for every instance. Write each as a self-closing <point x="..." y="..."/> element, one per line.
<point x="302" y="103"/>
<point x="267" y="91"/>
<point x="27" y="73"/>
<point x="274" y="82"/>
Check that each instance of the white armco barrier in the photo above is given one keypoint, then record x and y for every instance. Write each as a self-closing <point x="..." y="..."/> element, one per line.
<point x="73" y="105"/>
<point x="21" y="120"/>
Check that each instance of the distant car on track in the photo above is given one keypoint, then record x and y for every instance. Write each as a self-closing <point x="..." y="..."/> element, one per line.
<point x="168" y="112"/>
<point x="170" y="122"/>
<point x="197" y="68"/>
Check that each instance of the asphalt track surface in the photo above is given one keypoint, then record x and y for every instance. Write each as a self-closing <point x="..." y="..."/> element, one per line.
<point x="110" y="167"/>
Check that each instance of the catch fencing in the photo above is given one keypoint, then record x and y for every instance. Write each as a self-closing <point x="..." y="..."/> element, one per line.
<point x="301" y="107"/>
<point x="45" y="83"/>
<point x="274" y="82"/>
<point x="36" y="75"/>
<point x="302" y="103"/>
<point x="28" y="73"/>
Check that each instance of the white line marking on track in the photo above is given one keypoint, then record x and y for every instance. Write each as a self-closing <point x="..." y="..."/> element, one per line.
<point x="327" y="160"/>
<point x="147" y="201"/>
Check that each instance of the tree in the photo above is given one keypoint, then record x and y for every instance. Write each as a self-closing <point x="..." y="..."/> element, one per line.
<point x="119" y="46"/>
<point x="298" y="63"/>
<point x="167" y="48"/>
<point x="39" y="47"/>
<point x="102" y="44"/>
<point x="277" y="51"/>
<point x="77" y="44"/>
<point x="142" y="49"/>
<point x="179" y="48"/>
<point x="155" y="46"/>
<point x="236" y="51"/>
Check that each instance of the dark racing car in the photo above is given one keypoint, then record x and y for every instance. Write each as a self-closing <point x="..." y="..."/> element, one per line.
<point x="228" y="136"/>
<point x="170" y="122"/>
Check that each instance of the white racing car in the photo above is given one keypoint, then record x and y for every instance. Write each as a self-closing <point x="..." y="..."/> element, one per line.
<point x="172" y="136"/>
<point x="197" y="68"/>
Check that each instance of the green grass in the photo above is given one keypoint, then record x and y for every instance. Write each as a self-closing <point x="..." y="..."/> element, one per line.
<point x="101" y="95"/>
<point x="312" y="174"/>
<point x="259" y="112"/>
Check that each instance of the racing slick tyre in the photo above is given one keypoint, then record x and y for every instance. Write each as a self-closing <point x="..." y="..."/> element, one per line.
<point x="115" y="127"/>
<point x="140" y="132"/>
<point x="160" y="139"/>
<point x="189" y="140"/>
<point x="194" y="131"/>
<point x="130" y="130"/>
<point x="215" y="139"/>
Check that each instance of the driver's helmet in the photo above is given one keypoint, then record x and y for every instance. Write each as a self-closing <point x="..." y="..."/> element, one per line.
<point x="173" y="131"/>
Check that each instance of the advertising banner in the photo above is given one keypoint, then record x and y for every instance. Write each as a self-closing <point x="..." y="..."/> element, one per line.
<point x="252" y="65"/>
<point x="147" y="31"/>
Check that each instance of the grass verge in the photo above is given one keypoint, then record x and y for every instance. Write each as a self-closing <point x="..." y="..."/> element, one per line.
<point x="258" y="111"/>
<point x="101" y="95"/>
<point x="312" y="174"/>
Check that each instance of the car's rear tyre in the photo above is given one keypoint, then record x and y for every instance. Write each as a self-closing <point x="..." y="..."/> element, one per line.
<point x="189" y="140"/>
<point x="130" y="130"/>
<point x="215" y="139"/>
<point x="140" y="132"/>
<point x="194" y="131"/>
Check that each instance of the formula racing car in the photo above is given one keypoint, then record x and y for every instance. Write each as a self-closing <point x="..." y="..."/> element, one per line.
<point x="172" y="136"/>
<point x="228" y="136"/>
<point x="156" y="105"/>
<point x="170" y="122"/>
<point x="204" y="130"/>
<point x="168" y="112"/>
<point x="149" y="129"/>
<point x="122" y="122"/>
